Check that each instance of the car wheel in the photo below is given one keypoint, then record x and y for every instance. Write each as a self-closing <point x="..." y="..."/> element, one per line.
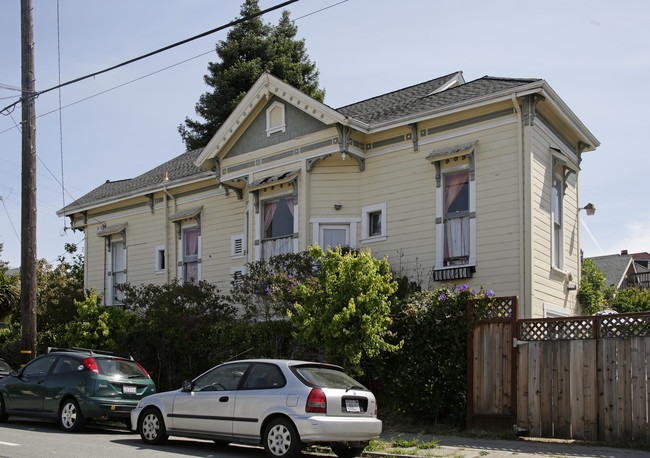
<point x="281" y="439"/>
<point x="70" y="417"/>
<point x="3" y="412"/>
<point x="343" y="451"/>
<point x="152" y="427"/>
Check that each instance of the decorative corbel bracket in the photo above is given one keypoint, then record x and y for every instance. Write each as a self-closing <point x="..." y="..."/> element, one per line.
<point x="414" y="130"/>
<point x="237" y="191"/>
<point x="530" y="108"/>
<point x="311" y="161"/>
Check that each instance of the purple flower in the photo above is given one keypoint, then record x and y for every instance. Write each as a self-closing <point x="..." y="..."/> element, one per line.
<point x="443" y="296"/>
<point x="474" y="292"/>
<point x="489" y="293"/>
<point x="268" y="290"/>
<point x="462" y="288"/>
<point x="290" y="276"/>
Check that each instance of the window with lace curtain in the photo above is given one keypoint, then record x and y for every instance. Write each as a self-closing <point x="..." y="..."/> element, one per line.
<point x="456" y="218"/>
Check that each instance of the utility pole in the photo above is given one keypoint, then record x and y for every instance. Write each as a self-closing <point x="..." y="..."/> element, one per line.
<point x="28" y="206"/>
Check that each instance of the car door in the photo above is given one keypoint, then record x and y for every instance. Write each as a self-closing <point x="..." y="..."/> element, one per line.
<point x="209" y="406"/>
<point x="25" y="393"/>
<point x="261" y="393"/>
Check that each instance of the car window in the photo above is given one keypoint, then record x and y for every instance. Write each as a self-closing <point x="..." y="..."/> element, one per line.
<point x="39" y="367"/>
<point x="264" y="376"/>
<point x="4" y="366"/>
<point x="120" y="368"/>
<point x="324" y="377"/>
<point x="221" y="378"/>
<point x="65" y="365"/>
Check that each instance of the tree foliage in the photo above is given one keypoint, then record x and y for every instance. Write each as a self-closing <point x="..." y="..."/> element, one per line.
<point x="251" y="48"/>
<point x="591" y="294"/>
<point x="345" y="309"/>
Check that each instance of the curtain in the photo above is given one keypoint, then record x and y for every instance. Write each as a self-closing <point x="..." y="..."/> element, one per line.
<point x="269" y="211"/>
<point x="453" y="185"/>
<point x="192" y="242"/>
<point x="289" y="201"/>
<point x="457" y="237"/>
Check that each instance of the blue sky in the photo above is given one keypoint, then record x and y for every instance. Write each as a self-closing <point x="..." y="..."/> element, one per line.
<point x="593" y="53"/>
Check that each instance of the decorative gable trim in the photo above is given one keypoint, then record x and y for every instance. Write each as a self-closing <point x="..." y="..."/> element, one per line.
<point x="266" y="86"/>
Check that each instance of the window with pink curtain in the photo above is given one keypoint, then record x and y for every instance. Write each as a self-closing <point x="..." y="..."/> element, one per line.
<point x="456" y="218"/>
<point x="278" y="218"/>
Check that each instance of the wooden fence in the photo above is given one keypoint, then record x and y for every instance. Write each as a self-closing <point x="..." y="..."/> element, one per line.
<point x="574" y="378"/>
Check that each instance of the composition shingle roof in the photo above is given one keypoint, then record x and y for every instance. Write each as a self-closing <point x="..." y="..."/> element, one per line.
<point x="614" y="267"/>
<point x="410" y="101"/>
<point x="177" y="168"/>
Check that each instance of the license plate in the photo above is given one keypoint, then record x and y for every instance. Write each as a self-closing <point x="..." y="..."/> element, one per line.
<point x="128" y="389"/>
<point x="352" y="405"/>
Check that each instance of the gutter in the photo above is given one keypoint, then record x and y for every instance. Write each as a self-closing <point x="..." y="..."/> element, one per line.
<point x="166" y="236"/>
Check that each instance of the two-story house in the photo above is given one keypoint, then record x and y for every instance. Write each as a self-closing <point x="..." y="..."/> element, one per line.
<point x="455" y="182"/>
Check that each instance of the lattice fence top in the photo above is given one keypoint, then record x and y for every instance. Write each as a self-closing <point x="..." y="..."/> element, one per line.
<point x="592" y="327"/>
<point x="498" y="307"/>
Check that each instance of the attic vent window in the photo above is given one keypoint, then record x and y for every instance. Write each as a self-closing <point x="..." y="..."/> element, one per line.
<point x="275" y="120"/>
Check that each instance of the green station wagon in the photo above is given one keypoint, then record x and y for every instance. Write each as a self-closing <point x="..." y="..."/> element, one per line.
<point x="75" y="385"/>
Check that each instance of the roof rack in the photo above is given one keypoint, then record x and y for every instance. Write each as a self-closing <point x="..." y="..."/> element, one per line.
<point x="90" y="351"/>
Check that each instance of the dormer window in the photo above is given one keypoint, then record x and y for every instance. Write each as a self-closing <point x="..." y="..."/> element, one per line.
<point x="275" y="120"/>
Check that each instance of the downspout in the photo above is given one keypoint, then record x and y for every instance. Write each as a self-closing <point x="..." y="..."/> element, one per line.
<point x="166" y="237"/>
<point x="522" y="224"/>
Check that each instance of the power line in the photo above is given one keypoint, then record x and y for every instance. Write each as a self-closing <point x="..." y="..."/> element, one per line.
<point x="10" y="221"/>
<point x="157" y="51"/>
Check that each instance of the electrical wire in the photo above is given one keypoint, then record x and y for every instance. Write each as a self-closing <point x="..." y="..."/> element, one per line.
<point x="10" y="221"/>
<point x="157" y="51"/>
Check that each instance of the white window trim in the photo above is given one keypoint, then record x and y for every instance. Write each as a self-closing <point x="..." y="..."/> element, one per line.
<point x="111" y="277"/>
<point x="282" y="127"/>
<point x="365" y="213"/>
<point x="440" y="226"/>
<point x="259" y="222"/>
<point x="234" y="253"/>
<point x="351" y="222"/>
<point x="158" y="252"/>
<point x="181" y="252"/>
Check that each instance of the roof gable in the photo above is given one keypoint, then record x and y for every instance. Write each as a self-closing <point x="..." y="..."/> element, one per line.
<point x="264" y="88"/>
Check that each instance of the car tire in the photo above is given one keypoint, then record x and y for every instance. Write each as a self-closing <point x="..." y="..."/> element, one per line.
<point x="70" y="417"/>
<point x="151" y="426"/>
<point x="344" y="451"/>
<point x="281" y="439"/>
<point x="3" y="411"/>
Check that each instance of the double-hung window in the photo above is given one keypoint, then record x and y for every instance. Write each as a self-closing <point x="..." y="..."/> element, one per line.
<point x="557" y="212"/>
<point x="278" y="227"/>
<point x="118" y="271"/>
<point x="455" y="211"/>
<point x="456" y="219"/>
<point x="190" y="255"/>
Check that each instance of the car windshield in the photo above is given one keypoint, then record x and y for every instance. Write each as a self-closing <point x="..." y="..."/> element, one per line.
<point x="120" y="368"/>
<point x="324" y="377"/>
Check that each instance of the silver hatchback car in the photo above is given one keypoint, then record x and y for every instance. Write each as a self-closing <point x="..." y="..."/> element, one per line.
<point x="280" y="404"/>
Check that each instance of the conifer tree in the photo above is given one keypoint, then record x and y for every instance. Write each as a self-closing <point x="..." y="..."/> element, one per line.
<point x="250" y="49"/>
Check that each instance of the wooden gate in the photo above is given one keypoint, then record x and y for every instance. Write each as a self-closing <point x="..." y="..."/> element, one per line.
<point x="491" y="368"/>
<point x="574" y="378"/>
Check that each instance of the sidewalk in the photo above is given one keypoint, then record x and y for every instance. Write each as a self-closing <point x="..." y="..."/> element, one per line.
<point x="453" y="446"/>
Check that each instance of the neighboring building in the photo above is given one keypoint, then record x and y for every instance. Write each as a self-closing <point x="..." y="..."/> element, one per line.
<point x="455" y="182"/>
<point x="624" y="270"/>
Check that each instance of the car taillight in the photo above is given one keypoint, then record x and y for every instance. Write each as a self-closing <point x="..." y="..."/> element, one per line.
<point x="91" y="364"/>
<point x="145" y="372"/>
<point x="376" y="407"/>
<point x="316" y="401"/>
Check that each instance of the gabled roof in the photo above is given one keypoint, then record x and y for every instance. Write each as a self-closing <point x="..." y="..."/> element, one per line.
<point x="438" y="95"/>
<point x="423" y="98"/>
<point x="615" y="267"/>
<point x="175" y="171"/>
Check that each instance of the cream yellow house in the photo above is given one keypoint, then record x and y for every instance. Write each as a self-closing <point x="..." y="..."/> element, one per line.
<point x="455" y="182"/>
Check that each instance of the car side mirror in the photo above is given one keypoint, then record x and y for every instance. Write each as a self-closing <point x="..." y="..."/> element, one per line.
<point x="188" y="385"/>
